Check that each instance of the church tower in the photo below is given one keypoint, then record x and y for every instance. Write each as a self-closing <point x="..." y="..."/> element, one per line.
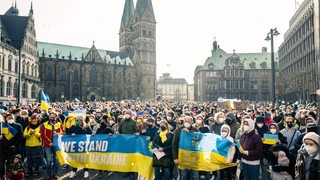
<point x="144" y="48"/>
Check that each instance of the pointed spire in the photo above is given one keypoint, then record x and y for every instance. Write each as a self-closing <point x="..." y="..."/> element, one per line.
<point x="127" y="14"/>
<point x="31" y="10"/>
<point x="15" y="4"/>
<point x="145" y="7"/>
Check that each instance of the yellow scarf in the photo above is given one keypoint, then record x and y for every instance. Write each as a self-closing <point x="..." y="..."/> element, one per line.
<point x="163" y="135"/>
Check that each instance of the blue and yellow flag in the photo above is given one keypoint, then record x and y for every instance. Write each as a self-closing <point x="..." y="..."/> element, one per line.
<point x="123" y="153"/>
<point x="45" y="101"/>
<point x="8" y="131"/>
<point x="76" y="113"/>
<point x="203" y="151"/>
<point x="270" y="138"/>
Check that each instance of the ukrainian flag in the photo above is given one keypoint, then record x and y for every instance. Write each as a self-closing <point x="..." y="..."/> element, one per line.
<point x="203" y="152"/>
<point x="123" y="153"/>
<point x="8" y="131"/>
<point x="76" y="113"/>
<point x="45" y="101"/>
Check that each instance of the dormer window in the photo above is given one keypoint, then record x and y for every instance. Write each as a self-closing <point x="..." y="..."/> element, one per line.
<point x="210" y="66"/>
<point x="263" y="65"/>
<point x="252" y="65"/>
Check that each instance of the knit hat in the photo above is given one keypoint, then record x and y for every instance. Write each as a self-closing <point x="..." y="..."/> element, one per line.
<point x="312" y="136"/>
<point x="230" y="115"/>
<point x="282" y="159"/>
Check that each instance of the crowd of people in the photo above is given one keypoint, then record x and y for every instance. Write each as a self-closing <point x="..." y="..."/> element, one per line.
<point x="294" y="155"/>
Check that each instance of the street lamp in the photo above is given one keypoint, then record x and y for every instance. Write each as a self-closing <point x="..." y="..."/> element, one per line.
<point x="273" y="32"/>
<point x="70" y="70"/>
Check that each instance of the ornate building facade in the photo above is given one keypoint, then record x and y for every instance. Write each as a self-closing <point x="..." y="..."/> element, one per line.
<point x="169" y="88"/>
<point x="19" y="63"/>
<point x="70" y="72"/>
<point x="245" y="76"/>
<point x="299" y="54"/>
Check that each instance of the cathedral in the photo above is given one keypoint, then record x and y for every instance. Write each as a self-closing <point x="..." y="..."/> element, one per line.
<point x="89" y="74"/>
<point x="66" y="72"/>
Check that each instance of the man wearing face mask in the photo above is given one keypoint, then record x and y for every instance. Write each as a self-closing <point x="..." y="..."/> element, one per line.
<point x="308" y="158"/>
<point x="128" y="125"/>
<point x="187" y="126"/>
<point x="151" y="129"/>
<point x="232" y="123"/>
<point x="50" y="129"/>
<point x="290" y="132"/>
<point x="10" y="147"/>
<point x="171" y="120"/>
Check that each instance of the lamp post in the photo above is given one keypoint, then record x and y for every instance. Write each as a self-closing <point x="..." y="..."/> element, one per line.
<point x="70" y="70"/>
<point x="273" y="32"/>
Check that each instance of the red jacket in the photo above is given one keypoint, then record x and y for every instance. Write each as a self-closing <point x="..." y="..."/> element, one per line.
<point x="47" y="133"/>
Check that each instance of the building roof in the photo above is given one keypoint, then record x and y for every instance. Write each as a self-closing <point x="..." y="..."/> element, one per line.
<point x="127" y="14"/>
<point x="219" y="57"/>
<point x="50" y="50"/>
<point x="13" y="28"/>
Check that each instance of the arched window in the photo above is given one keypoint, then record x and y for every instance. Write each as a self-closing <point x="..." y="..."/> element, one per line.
<point x="1" y="88"/>
<point x="63" y="73"/>
<point x="15" y="89"/>
<point x="49" y="73"/>
<point x="109" y="77"/>
<point x="25" y="90"/>
<point x="75" y="75"/>
<point x="33" y="91"/>
<point x="8" y="88"/>
<point x="93" y="77"/>
<point x="129" y="78"/>
<point x="28" y="69"/>
<point x="16" y="66"/>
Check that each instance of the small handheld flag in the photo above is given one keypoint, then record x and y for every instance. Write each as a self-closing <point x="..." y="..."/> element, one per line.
<point x="45" y="101"/>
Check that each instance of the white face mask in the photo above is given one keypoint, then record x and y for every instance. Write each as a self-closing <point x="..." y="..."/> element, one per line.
<point x="169" y="118"/>
<point x="224" y="134"/>
<point x="245" y="128"/>
<point x="198" y="121"/>
<point x="273" y="131"/>
<point x="311" y="150"/>
<point x="24" y="116"/>
<point x="221" y="120"/>
<point x="10" y="121"/>
<point x="145" y="120"/>
<point x="127" y="116"/>
<point x="187" y="125"/>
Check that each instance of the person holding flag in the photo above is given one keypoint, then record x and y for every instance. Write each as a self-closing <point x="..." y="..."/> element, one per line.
<point x="49" y="129"/>
<point x="10" y="140"/>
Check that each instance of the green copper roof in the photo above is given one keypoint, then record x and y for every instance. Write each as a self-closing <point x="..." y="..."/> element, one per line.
<point x="50" y="50"/>
<point x="127" y="14"/>
<point x="219" y="57"/>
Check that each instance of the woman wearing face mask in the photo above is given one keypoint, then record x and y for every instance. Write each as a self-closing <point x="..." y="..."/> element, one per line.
<point x="200" y="125"/>
<point x="219" y="118"/>
<point x="230" y="172"/>
<point x="250" y="151"/>
<point x="290" y="132"/>
<point x="308" y="158"/>
<point x="162" y="141"/>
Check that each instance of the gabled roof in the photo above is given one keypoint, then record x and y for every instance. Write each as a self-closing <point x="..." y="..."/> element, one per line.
<point x="143" y="7"/>
<point x="50" y="50"/>
<point x="12" y="11"/>
<point x="14" y="29"/>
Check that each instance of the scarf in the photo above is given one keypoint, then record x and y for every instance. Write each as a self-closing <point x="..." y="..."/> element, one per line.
<point x="163" y="135"/>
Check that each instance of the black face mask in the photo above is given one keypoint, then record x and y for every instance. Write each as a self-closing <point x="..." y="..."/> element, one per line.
<point x="228" y="121"/>
<point x="163" y="128"/>
<point x="149" y="125"/>
<point x="290" y="125"/>
<point x="52" y="120"/>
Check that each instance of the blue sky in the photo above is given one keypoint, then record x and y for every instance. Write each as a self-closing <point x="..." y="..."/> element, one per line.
<point x="185" y="28"/>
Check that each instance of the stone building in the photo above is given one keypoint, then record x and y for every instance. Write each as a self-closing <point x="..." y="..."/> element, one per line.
<point x="245" y="76"/>
<point x="19" y="63"/>
<point x="169" y="88"/>
<point x="70" y="72"/>
<point x="299" y="54"/>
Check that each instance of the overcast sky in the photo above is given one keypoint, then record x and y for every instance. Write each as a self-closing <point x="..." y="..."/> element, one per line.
<point x="185" y="28"/>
